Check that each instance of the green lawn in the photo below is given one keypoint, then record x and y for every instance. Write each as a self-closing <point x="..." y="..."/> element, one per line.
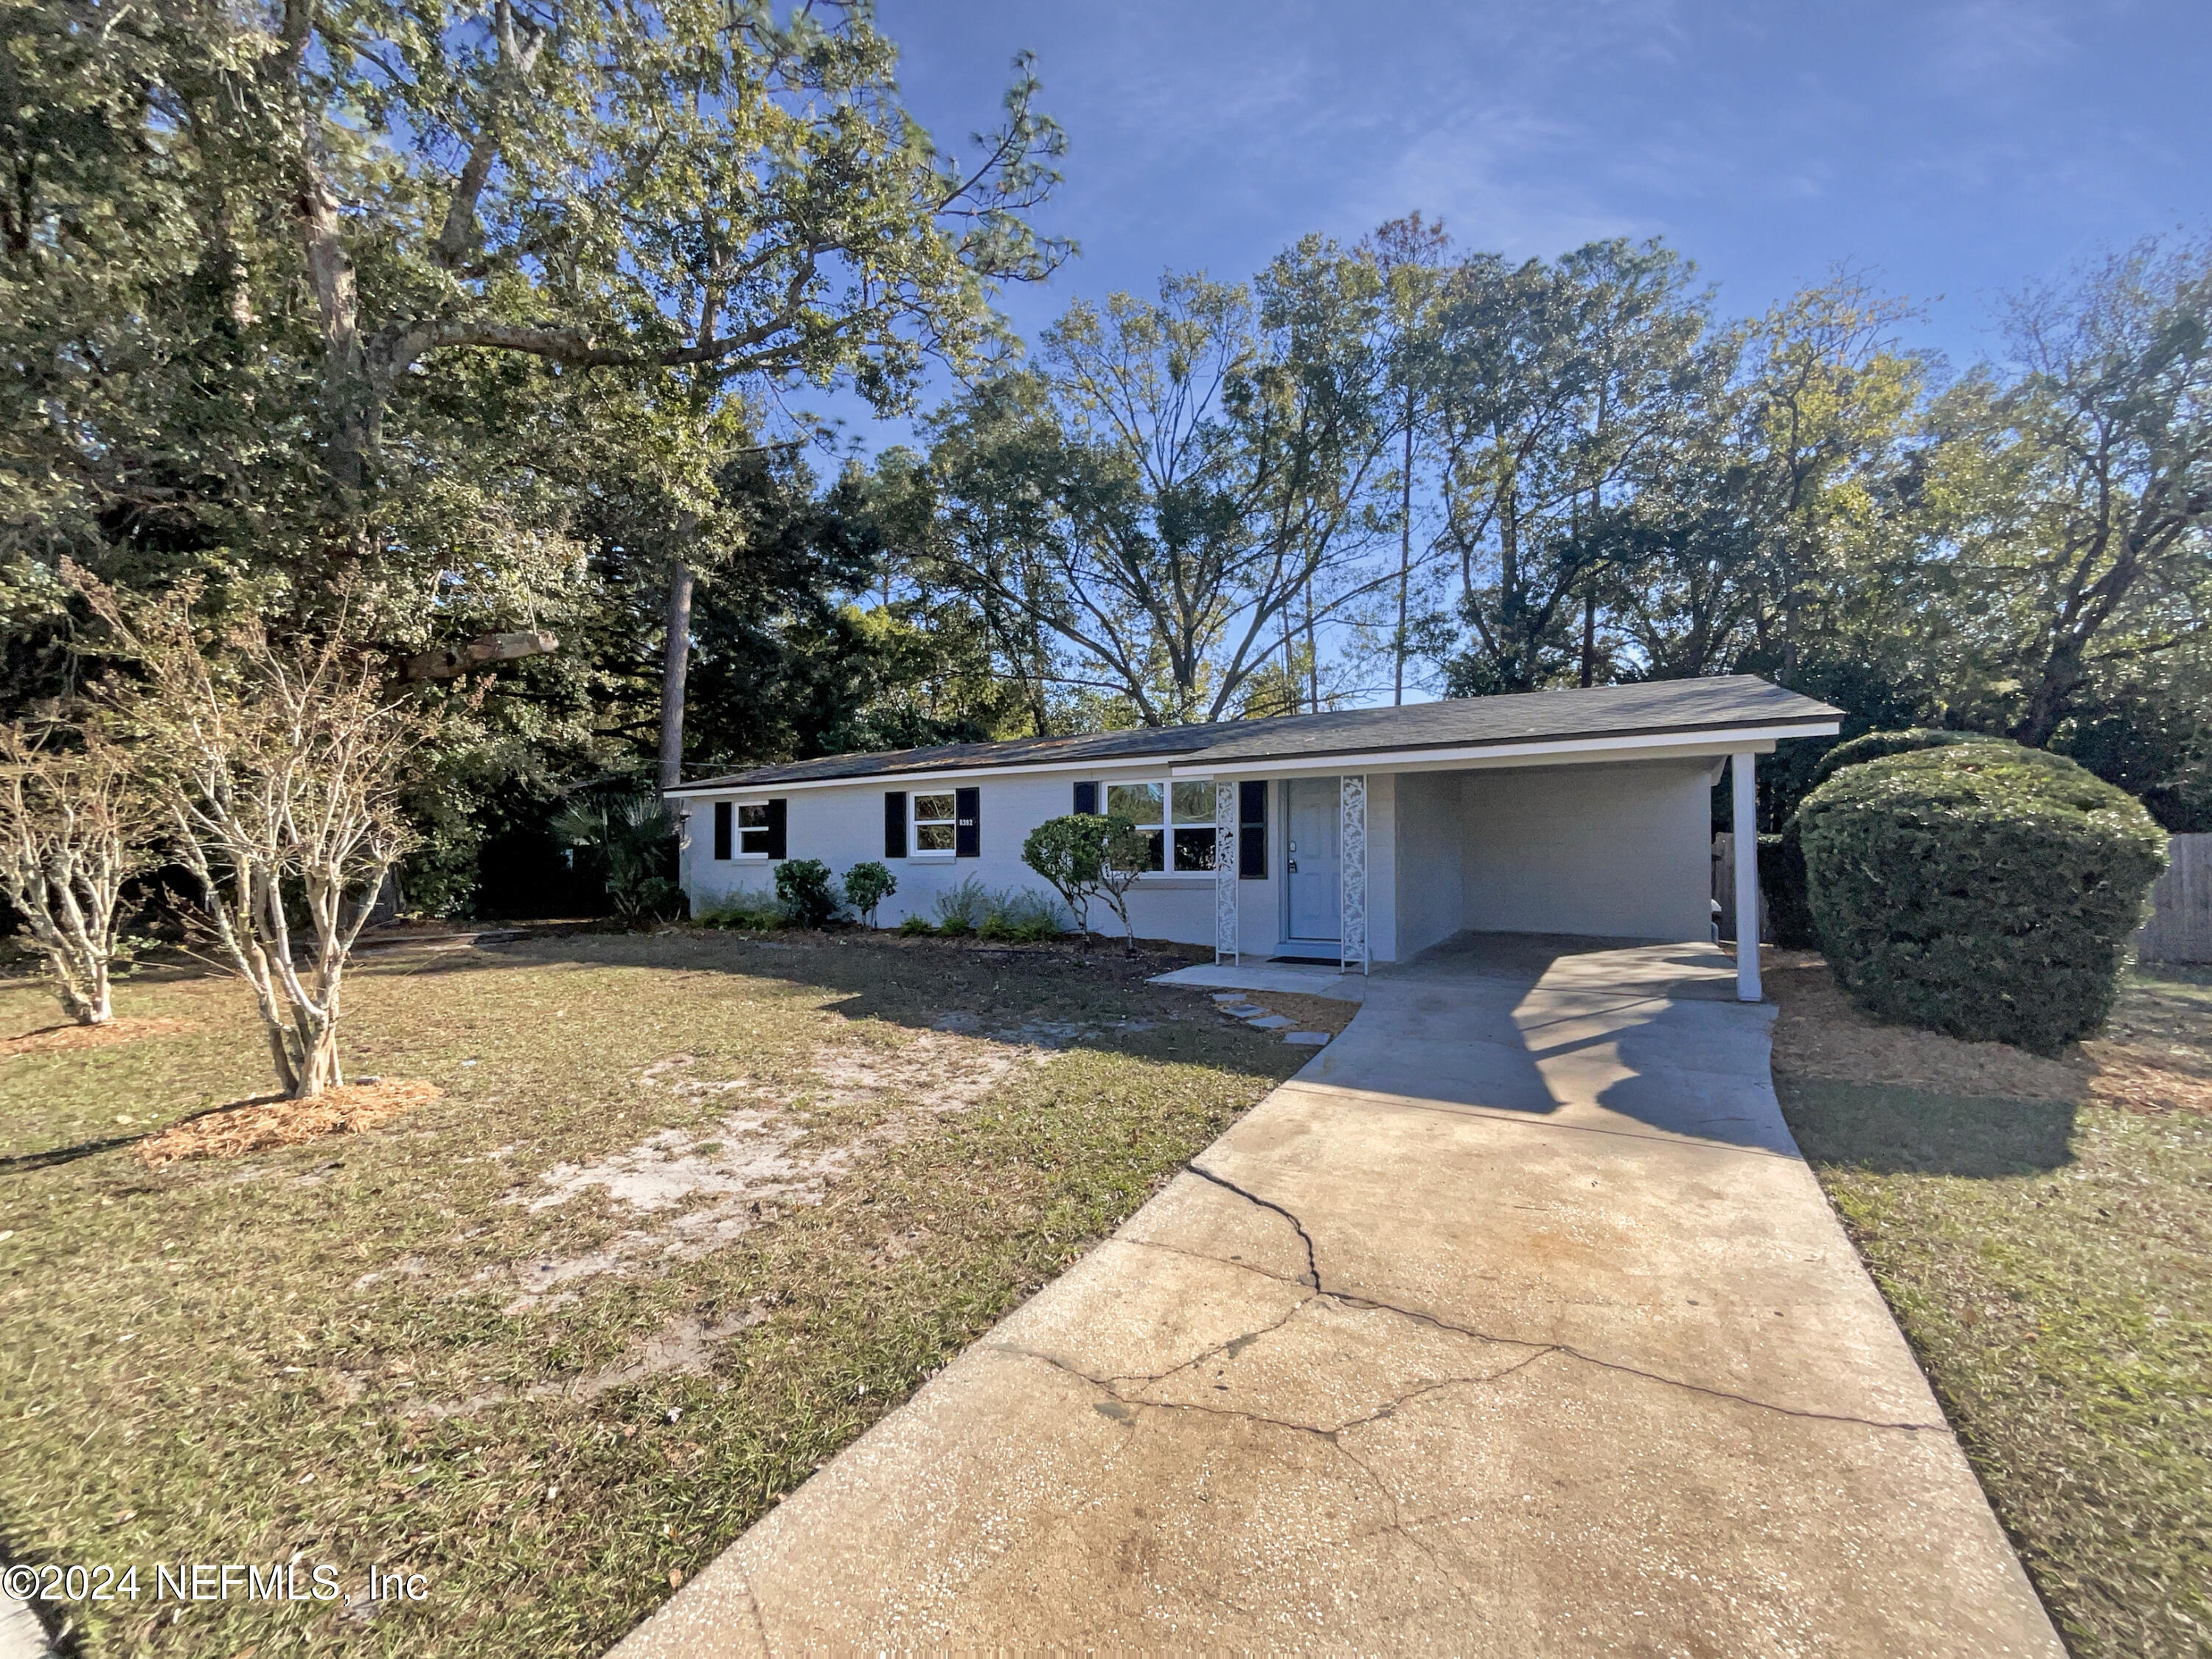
<point x="797" y="1177"/>
<point x="2051" y="1264"/>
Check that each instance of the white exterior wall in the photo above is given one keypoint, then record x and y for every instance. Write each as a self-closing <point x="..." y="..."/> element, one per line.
<point x="1620" y="850"/>
<point x="843" y="824"/>
<point x="1259" y="904"/>
<point x="1383" y="865"/>
<point x="1432" y="834"/>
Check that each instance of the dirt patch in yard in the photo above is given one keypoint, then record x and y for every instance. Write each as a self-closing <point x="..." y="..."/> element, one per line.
<point x="692" y="1191"/>
<point x="60" y="1039"/>
<point x="254" y="1126"/>
<point x="2149" y="1058"/>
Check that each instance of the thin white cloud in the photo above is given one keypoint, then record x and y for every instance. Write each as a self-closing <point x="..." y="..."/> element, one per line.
<point x="1504" y="180"/>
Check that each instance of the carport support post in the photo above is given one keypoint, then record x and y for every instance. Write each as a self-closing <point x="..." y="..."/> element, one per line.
<point x="1741" y="770"/>
<point x="1225" y="872"/>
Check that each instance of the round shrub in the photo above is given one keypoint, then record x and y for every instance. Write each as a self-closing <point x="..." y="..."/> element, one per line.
<point x="1782" y="878"/>
<point x="808" y="895"/>
<point x="1983" y="890"/>
<point x="1880" y="745"/>
<point x="1781" y="884"/>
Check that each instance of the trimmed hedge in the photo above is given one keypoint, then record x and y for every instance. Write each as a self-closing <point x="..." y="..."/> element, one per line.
<point x="1782" y="879"/>
<point x="1781" y="884"/>
<point x="1880" y="745"/>
<point x="1983" y="890"/>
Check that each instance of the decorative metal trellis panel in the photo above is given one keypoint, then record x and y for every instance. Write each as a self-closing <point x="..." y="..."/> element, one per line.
<point x="1225" y="871"/>
<point x="1352" y="845"/>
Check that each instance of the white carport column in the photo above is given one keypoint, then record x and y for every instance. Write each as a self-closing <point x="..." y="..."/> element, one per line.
<point x="1743" y="771"/>
<point x="1352" y="848"/>
<point x="1224" y="871"/>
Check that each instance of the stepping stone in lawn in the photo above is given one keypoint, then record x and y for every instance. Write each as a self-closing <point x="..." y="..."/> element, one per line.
<point x="1268" y="1023"/>
<point x="1306" y="1039"/>
<point x="1243" y="1010"/>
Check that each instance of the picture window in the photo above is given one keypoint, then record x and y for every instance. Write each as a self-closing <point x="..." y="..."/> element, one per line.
<point x="1175" y="820"/>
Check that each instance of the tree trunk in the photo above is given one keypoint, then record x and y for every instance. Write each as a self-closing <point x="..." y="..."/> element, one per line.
<point x="92" y="1004"/>
<point x="675" y="663"/>
<point x="1313" y="654"/>
<point x="318" y="1068"/>
<point x="2052" y="699"/>
<point x="1590" y="638"/>
<point x="1404" y="554"/>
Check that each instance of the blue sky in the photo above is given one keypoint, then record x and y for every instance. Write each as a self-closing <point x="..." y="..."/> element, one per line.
<point x="1952" y="150"/>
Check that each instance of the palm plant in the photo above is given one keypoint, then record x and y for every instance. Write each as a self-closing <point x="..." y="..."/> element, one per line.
<point x="632" y="836"/>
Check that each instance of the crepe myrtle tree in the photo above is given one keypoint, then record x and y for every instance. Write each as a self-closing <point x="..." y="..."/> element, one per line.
<point x="1090" y="855"/>
<point x="74" y="824"/>
<point x="278" y="767"/>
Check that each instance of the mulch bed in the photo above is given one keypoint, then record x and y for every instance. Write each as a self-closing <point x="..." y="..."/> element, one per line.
<point x="59" y="1039"/>
<point x="1821" y="1033"/>
<point x="253" y="1125"/>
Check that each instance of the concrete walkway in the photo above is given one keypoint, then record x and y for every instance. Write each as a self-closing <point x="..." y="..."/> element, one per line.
<point x="1513" y="1325"/>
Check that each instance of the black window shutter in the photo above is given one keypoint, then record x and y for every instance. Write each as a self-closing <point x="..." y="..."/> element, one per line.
<point x="723" y="813"/>
<point x="1086" y="797"/>
<point x="776" y="818"/>
<point x="1252" y="831"/>
<point x="894" y="824"/>
<point x="968" y="829"/>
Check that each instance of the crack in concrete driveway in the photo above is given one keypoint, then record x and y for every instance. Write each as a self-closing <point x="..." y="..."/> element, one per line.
<point x="1513" y="1325"/>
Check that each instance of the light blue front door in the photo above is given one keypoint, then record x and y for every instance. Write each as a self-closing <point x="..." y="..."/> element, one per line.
<point x="1311" y="869"/>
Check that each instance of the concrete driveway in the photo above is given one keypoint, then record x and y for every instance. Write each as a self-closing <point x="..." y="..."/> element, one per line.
<point x="1514" y="1324"/>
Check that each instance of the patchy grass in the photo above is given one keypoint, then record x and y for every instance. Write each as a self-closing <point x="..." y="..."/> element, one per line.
<point x="2045" y="1249"/>
<point x="692" y="1213"/>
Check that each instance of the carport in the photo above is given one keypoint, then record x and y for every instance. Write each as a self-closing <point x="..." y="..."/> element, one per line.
<point x="1583" y="813"/>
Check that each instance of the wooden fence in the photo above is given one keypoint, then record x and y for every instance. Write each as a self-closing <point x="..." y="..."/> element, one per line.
<point x="2180" y="925"/>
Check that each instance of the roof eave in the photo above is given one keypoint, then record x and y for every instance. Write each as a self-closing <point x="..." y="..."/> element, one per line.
<point x="1754" y="737"/>
<point x="1762" y="734"/>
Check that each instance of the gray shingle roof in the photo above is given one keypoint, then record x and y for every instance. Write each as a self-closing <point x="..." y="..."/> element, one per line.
<point x="1650" y="708"/>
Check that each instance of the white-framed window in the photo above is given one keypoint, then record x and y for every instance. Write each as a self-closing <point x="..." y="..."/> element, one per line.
<point x="936" y="828"/>
<point x="1175" y="819"/>
<point x="753" y="833"/>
